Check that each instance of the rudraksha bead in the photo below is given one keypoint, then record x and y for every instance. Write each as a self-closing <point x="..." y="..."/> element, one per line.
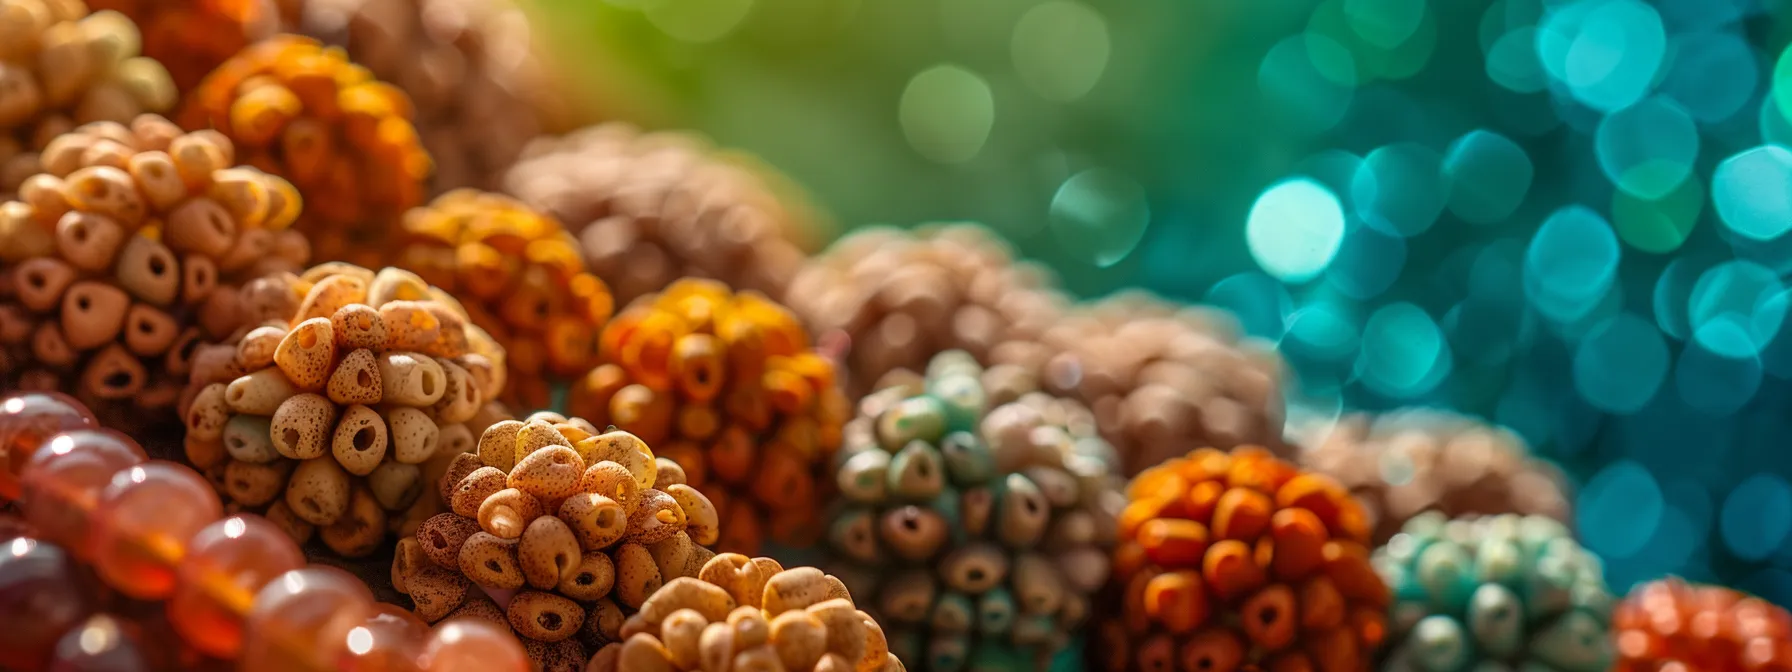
<point x="1670" y="624"/>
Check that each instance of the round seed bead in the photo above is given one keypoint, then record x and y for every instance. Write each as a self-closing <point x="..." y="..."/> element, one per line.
<point x="40" y="599"/>
<point x="26" y="422"/>
<point x="300" y="621"/>
<point x="143" y="523"/>
<point x="226" y="563"/>
<point x="62" y="483"/>
<point x="390" y="641"/>
<point x="101" y="644"/>
<point x="472" y="645"/>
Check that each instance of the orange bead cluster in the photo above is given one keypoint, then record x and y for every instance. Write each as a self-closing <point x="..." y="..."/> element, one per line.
<point x="192" y="37"/>
<point x="236" y="588"/>
<point x="302" y="111"/>
<point x="1673" y="626"/>
<point x="60" y="67"/>
<point x="1241" y="561"/>
<point x="725" y="385"/>
<point x="126" y="252"/>
<point x="520" y="277"/>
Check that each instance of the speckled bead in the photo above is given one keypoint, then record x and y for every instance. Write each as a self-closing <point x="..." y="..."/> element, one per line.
<point x="1672" y="624"/>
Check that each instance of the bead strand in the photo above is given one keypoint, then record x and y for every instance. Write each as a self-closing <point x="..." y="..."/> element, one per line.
<point x="235" y="587"/>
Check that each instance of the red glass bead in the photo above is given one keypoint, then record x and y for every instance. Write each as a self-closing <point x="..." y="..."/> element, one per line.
<point x="145" y="519"/>
<point x="215" y="586"/>
<point x="40" y="599"/>
<point x="472" y="645"/>
<point x="61" y="483"/>
<point x="301" y="620"/>
<point x="98" y="645"/>
<point x="391" y="641"/>
<point x="27" y="420"/>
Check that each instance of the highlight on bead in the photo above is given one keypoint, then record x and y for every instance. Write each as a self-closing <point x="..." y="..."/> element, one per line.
<point x="1672" y="624"/>
<point x="650" y="208"/>
<point x="978" y="516"/>
<point x="748" y="614"/>
<point x="351" y="392"/>
<point x="470" y="66"/>
<point x="27" y="421"/>
<point x="193" y="37"/>
<point x="300" y="110"/>
<point x="61" y="67"/>
<point x="1507" y="590"/>
<point x="520" y="277"/>
<point x="1403" y="463"/>
<point x="725" y="385"/>
<point x="555" y="530"/>
<point x="1242" y="561"/>
<point x="125" y="253"/>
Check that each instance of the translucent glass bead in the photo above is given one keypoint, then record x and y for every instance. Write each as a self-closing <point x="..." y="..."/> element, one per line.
<point x="98" y="645"/>
<point x="40" y="599"/>
<point x="301" y="620"/>
<point x="226" y="563"/>
<point x="390" y="641"/>
<point x="28" y="420"/>
<point x="62" y="482"/>
<point x="470" y="645"/>
<point x="145" y="519"/>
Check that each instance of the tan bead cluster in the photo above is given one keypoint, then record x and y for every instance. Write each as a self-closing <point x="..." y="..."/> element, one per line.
<point x="191" y="37"/>
<point x="61" y="67"/>
<point x="585" y="525"/>
<point x="1408" y="462"/>
<point x="726" y="385"/>
<point x="520" y="277"/>
<point x="469" y="65"/>
<point x="330" y="412"/>
<point x="651" y="208"/>
<point x="901" y="297"/>
<point x="124" y="254"/>
<point x="749" y="614"/>
<point x="1165" y="379"/>
<point x="302" y="111"/>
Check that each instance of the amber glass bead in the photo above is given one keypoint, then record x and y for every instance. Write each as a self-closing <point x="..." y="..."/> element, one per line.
<point x="40" y="599"/>
<point x="302" y="111"/>
<point x="226" y="563"/>
<point x="473" y="645"/>
<point x="1674" y="626"/>
<point x="101" y="644"/>
<point x="63" y="482"/>
<point x="27" y="420"/>
<point x="390" y="641"/>
<point x="301" y="621"/>
<point x="143" y="524"/>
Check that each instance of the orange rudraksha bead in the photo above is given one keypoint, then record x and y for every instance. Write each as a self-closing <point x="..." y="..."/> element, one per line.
<point x="1671" y="625"/>
<point x="302" y="111"/>
<point x="520" y="277"/>
<point x="191" y="37"/>
<point x="1241" y="561"/>
<point x="725" y="385"/>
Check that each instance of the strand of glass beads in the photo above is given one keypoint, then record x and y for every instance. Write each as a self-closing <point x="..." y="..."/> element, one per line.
<point x="236" y="588"/>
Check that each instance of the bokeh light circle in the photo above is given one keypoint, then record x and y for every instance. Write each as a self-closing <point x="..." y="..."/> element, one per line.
<point x="1488" y="176"/>
<point x="1757" y="516"/>
<point x="1308" y="80"/>
<point x="1060" y="49"/>
<point x="1647" y="149"/>
<point x="1740" y="293"/>
<point x="1606" y="52"/>
<point x="1404" y="353"/>
<point x="1400" y="189"/>
<point x="1384" y="23"/>
<point x="1100" y="215"/>
<point x="1750" y="192"/>
<point x="946" y="113"/>
<point x="1294" y="229"/>
<point x="1261" y="304"/>
<point x="1712" y="76"/>
<point x="1570" y="264"/>
<point x="1619" y="365"/>
<point x="1660" y="225"/>
<point x="1711" y="381"/>
<point x="1619" y="509"/>
<point x="1367" y="263"/>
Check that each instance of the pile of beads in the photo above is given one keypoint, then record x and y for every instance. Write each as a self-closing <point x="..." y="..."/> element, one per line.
<point x="652" y="208"/>
<point x="1239" y="562"/>
<point x="125" y="253"/>
<point x="1404" y="463"/>
<point x="60" y="67"/>
<point x="1511" y="591"/>
<point x="520" y="277"/>
<point x="725" y="385"/>
<point x="901" y="297"/>
<point x="192" y="37"/>
<point x="235" y="587"/>
<point x="749" y="614"/>
<point x="981" y="533"/>
<point x="1670" y="625"/>
<point x="329" y="412"/>
<point x="304" y="112"/>
<point x="469" y="65"/>
<point x="562" y="529"/>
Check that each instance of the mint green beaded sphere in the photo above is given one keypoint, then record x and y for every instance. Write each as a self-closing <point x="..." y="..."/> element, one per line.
<point x="976" y="518"/>
<point x="1505" y="593"/>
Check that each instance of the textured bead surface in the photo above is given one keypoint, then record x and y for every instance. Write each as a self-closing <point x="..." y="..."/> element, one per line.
<point x="144" y="522"/>
<point x="226" y="563"/>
